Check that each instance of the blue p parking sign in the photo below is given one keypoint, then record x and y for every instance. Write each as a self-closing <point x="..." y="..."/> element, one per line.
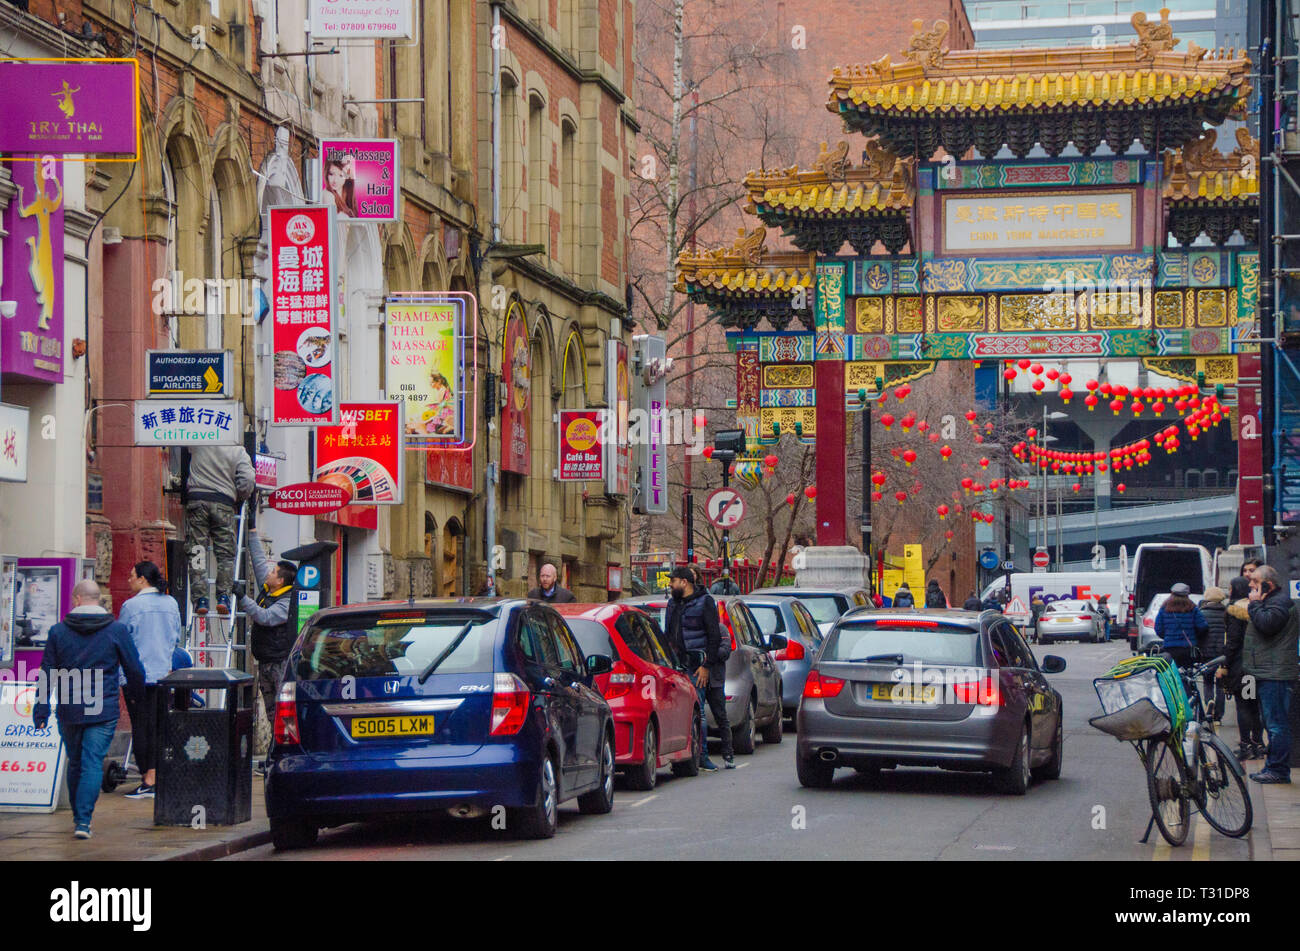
<point x="308" y="576"/>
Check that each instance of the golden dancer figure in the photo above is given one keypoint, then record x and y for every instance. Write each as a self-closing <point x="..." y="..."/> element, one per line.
<point x="65" y="100"/>
<point x="40" y="247"/>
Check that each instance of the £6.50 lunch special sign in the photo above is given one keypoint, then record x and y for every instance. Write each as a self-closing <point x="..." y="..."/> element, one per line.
<point x="302" y="308"/>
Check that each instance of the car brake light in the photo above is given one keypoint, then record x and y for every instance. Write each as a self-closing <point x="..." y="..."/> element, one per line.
<point x="286" y="715"/>
<point x="1148" y="622"/>
<point x="984" y="693"/>
<point x="793" y="650"/>
<point x="819" y="686"/>
<point x="621" y="680"/>
<point x="1083" y="619"/>
<point x="510" y="699"/>
<point x="894" y="622"/>
<point x="725" y="618"/>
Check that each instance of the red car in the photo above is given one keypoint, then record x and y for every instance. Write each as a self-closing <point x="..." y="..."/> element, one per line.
<point x="655" y="706"/>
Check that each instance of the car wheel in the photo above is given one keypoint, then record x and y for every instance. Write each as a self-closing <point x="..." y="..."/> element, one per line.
<point x="1014" y="779"/>
<point x="772" y="732"/>
<point x="540" y="820"/>
<point x="742" y="738"/>
<point x="642" y="777"/>
<point x="1052" y="768"/>
<point x="601" y="799"/>
<point x="691" y="765"/>
<point x="814" y="773"/>
<point x="289" y="834"/>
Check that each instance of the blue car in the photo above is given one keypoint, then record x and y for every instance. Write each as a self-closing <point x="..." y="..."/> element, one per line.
<point x="777" y="614"/>
<point x="449" y="706"/>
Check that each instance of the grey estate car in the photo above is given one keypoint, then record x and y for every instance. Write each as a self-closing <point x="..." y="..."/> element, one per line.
<point x="753" y="684"/>
<point x="777" y="614"/>
<point x="956" y="689"/>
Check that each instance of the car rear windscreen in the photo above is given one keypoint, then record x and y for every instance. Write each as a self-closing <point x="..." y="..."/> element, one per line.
<point x="592" y="637"/>
<point x="380" y="644"/>
<point x="769" y="618"/>
<point x="825" y="608"/>
<point x="865" y="642"/>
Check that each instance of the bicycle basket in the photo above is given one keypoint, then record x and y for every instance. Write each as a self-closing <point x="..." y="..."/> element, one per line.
<point x="1137" y="721"/>
<point x="1142" y="678"/>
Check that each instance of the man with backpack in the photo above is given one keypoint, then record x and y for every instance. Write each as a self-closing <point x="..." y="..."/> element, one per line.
<point x="272" y="616"/>
<point x="692" y="625"/>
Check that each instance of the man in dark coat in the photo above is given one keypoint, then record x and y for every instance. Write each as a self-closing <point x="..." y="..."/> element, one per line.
<point x="1210" y="644"/>
<point x="692" y="625"/>
<point x="1269" y="655"/>
<point x="972" y="603"/>
<point x="548" y="587"/>
<point x="84" y="655"/>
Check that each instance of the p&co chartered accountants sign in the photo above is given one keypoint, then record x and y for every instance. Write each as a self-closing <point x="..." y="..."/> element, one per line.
<point x="1040" y="221"/>
<point x="188" y="422"/>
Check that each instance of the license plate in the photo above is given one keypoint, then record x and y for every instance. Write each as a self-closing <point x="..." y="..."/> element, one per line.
<point x="365" y="728"/>
<point x="904" y="693"/>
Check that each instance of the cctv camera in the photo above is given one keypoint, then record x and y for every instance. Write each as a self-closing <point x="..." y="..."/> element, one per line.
<point x="8" y="308"/>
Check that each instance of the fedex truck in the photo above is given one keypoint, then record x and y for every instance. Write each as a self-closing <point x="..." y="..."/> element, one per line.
<point x="1069" y="585"/>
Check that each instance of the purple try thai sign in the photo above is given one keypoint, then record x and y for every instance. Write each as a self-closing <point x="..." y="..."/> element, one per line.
<point x="69" y="107"/>
<point x="31" y="341"/>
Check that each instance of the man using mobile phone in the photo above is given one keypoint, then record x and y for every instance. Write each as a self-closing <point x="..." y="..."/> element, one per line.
<point x="1269" y="656"/>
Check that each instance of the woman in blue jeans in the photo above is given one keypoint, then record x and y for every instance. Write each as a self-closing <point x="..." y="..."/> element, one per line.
<point x="154" y="621"/>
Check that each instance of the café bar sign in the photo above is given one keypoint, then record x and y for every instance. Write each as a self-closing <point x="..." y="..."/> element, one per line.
<point x="1039" y="221"/>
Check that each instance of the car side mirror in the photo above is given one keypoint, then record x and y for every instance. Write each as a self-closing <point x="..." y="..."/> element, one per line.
<point x="599" y="664"/>
<point x="775" y="642"/>
<point x="1053" y="664"/>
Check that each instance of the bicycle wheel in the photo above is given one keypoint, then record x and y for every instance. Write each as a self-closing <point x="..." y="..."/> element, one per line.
<point x="1221" y="794"/>
<point x="1167" y="789"/>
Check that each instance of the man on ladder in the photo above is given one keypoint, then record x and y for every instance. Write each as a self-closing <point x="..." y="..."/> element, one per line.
<point x="220" y="479"/>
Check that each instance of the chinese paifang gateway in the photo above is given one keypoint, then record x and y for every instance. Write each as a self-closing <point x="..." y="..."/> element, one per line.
<point x="885" y="280"/>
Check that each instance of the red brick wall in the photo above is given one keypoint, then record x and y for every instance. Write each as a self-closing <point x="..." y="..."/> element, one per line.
<point x="608" y="45"/>
<point x="609" y="249"/>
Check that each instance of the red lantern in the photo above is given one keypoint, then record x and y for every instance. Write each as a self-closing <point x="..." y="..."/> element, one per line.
<point x="878" y="478"/>
<point x="922" y="426"/>
<point x="1101" y="467"/>
<point x="909" y="457"/>
<point x="1066" y="379"/>
<point x="1137" y="408"/>
<point x="1104" y="389"/>
<point x="979" y="438"/>
<point x="1038" y="386"/>
<point x="1117" y="405"/>
<point x="901" y="496"/>
<point x="1009" y="374"/>
<point x="934" y="437"/>
<point x="1036" y="369"/>
<point x="1053" y="374"/>
<point x="943" y="511"/>
<point x="1065" y="396"/>
<point x="708" y="452"/>
<point x="886" y="419"/>
<point x="1075" y="487"/>
<point x="907" y="422"/>
<point x="971" y="415"/>
<point x="1157" y="407"/>
<point x="1092" y="385"/>
<point x="1031" y="432"/>
<point x="946" y="452"/>
<point x="1120" y="488"/>
<point x="948" y="535"/>
<point x="967" y="483"/>
<point x="811" y="492"/>
<point x="789" y="499"/>
<point x="902" y="391"/>
<point x="701" y="421"/>
<point x="770" y="461"/>
<point x="984" y="462"/>
<point x="1091" y="401"/>
<point x="877" y="496"/>
<point x="1023" y="364"/>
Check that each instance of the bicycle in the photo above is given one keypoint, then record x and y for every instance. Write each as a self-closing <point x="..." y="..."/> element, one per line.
<point x="1193" y="766"/>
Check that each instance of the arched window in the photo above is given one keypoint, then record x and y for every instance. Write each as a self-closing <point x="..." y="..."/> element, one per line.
<point x="539" y="178"/>
<point x="214" y="305"/>
<point x="511" y="184"/>
<point x="568" y="250"/>
<point x="542" y="429"/>
<point x="573" y="384"/>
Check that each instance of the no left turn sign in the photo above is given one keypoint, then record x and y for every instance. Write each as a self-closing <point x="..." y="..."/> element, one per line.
<point x="724" y="508"/>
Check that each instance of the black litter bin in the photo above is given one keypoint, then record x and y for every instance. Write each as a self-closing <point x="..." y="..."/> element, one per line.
<point x="205" y="748"/>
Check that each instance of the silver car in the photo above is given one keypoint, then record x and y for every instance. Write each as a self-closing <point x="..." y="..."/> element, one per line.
<point x="753" y="685"/>
<point x="788" y="616"/>
<point x="825" y="604"/>
<point x="956" y="689"/>
<point x="1071" y="620"/>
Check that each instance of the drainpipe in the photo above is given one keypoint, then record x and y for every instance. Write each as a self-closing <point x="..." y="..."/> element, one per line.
<point x="496" y="122"/>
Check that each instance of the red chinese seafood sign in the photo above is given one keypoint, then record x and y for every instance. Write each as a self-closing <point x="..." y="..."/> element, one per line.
<point x="302" y="311"/>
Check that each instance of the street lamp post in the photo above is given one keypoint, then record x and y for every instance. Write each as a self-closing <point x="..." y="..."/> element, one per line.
<point x="1042" y="520"/>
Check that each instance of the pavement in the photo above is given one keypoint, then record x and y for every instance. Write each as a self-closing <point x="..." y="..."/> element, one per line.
<point x="1097" y="810"/>
<point x="123" y="831"/>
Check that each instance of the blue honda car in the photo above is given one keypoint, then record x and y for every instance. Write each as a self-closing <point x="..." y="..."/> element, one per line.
<point x="444" y="706"/>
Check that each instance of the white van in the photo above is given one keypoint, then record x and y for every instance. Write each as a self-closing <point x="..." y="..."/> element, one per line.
<point x="1157" y="567"/>
<point x="1070" y="585"/>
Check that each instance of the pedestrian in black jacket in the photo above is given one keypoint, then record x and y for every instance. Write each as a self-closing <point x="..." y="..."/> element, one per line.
<point x="1210" y="643"/>
<point x="549" y="588"/>
<point x="934" y="596"/>
<point x="972" y="603"/>
<point x="903" y="597"/>
<point x="1269" y="655"/>
<point x="1250" y="724"/>
<point x="692" y="625"/>
<point x="80" y="668"/>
